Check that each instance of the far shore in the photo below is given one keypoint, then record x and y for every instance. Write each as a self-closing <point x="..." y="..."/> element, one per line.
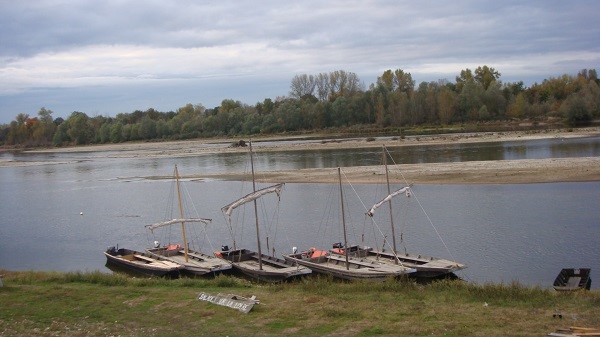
<point x="483" y="172"/>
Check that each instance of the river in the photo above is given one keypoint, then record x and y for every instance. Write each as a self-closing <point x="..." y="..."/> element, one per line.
<point x="63" y="214"/>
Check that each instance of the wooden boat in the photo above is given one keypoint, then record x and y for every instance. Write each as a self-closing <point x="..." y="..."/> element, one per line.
<point x="346" y="267"/>
<point x="272" y="270"/>
<point x="570" y="279"/>
<point x="426" y="266"/>
<point x="323" y="262"/>
<point x="256" y="264"/>
<point x="141" y="262"/>
<point x="193" y="262"/>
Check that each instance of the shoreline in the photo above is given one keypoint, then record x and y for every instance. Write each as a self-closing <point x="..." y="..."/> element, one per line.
<point x="475" y="172"/>
<point x="524" y="171"/>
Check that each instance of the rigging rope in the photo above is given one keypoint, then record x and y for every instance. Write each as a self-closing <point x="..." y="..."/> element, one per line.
<point x="374" y="222"/>
<point x="423" y="209"/>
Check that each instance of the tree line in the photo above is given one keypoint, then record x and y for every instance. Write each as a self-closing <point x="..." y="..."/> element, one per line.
<point x="330" y="100"/>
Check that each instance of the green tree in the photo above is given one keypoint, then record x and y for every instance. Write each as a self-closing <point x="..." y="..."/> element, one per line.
<point x="469" y="101"/>
<point x="80" y="131"/>
<point x="446" y="100"/>
<point x="466" y="76"/>
<point x="576" y="111"/>
<point x="147" y="128"/>
<point x="486" y="76"/>
<point x="116" y="132"/>
<point x="519" y="108"/>
<point x="104" y="133"/>
<point x="162" y="129"/>
<point x="61" y="136"/>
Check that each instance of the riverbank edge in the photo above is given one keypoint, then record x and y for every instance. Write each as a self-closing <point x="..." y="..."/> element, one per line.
<point x="95" y="303"/>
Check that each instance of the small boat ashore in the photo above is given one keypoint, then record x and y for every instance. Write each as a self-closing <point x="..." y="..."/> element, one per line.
<point x="425" y="266"/>
<point x="351" y="269"/>
<point x="194" y="262"/>
<point x="342" y="265"/>
<point x="571" y="279"/>
<point x="272" y="269"/>
<point x="255" y="264"/>
<point x="141" y="262"/>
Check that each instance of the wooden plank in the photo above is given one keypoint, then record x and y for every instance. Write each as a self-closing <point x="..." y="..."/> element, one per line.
<point x="142" y="257"/>
<point x="231" y="301"/>
<point x="573" y="281"/>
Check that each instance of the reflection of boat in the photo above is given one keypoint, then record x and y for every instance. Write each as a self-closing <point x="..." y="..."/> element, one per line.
<point x="256" y="264"/>
<point x="426" y="266"/>
<point x="570" y="279"/>
<point x="193" y="262"/>
<point x="342" y="265"/>
<point x="140" y="262"/>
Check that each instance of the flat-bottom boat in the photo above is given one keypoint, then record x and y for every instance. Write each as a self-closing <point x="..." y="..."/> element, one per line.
<point x="425" y="266"/>
<point x="570" y="279"/>
<point x="337" y="266"/>
<point x="140" y="262"/>
<point x="194" y="263"/>
<point x="267" y="269"/>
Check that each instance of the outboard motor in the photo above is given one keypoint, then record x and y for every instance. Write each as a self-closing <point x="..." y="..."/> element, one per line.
<point x="338" y="245"/>
<point x="224" y="248"/>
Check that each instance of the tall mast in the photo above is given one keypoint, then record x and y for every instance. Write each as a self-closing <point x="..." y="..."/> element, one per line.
<point x="185" y="244"/>
<point x="343" y="220"/>
<point x="255" y="209"/>
<point x="387" y="178"/>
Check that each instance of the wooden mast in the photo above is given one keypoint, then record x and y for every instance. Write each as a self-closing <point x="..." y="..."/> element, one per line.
<point x="185" y="244"/>
<point x="387" y="178"/>
<point x="343" y="220"/>
<point x="255" y="209"/>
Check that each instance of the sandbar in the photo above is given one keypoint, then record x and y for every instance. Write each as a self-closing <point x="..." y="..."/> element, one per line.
<point x="471" y="172"/>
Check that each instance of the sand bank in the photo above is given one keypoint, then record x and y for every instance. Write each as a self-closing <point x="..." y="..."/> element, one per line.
<point x="501" y="171"/>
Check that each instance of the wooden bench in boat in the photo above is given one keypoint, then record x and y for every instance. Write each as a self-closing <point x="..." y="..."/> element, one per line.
<point x="149" y="260"/>
<point x="573" y="281"/>
<point x="144" y="258"/>
<point x="193" y="255"/>
<point x="353" y="261"/>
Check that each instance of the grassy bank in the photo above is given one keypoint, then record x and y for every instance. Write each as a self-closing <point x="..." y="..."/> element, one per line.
<point x="98" y="304"/>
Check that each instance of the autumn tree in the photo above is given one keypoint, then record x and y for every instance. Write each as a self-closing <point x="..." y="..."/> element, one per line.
<point x="486" y="76"/>
<point x="446" y="102"/>
<point x="302" y="86"/>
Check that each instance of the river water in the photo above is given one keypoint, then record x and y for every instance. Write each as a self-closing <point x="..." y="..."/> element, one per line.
<point x="63" y="214"/>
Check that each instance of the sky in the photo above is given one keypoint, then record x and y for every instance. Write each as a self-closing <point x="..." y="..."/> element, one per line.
<point x="117" y="56"/>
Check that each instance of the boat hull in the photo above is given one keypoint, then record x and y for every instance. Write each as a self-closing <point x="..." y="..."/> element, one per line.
<point x="197" y="264"/>
<point x="572" y="279"/>
<point x="140" y="262"/>
<point x="336" y="266"/>
<point x="273" y="269"/>
<point x="425" y="266"/>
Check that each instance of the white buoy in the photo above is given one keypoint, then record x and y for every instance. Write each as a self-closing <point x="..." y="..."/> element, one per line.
<point x="80" y="213"/>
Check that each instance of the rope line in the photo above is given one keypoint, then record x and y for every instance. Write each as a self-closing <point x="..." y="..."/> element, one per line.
<point x="422" y="208"/>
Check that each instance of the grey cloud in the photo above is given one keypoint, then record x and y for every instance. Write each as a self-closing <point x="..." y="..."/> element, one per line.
<point x="267" y="39"/>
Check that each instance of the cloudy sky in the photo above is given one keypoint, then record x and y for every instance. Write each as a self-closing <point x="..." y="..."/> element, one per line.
<point x="112" y="56"/>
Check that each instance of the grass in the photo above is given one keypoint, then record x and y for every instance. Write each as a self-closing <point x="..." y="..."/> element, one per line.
<point x="98" y="304"/>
